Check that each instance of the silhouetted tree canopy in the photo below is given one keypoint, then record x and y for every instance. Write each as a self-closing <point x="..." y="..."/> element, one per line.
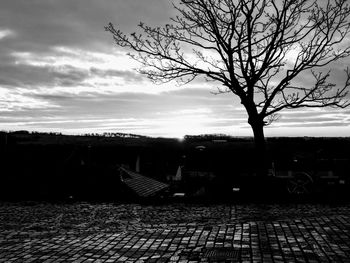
<point x="256" y="49"/>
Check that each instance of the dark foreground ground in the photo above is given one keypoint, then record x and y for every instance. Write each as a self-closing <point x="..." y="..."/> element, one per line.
<point x="85" y="232"/>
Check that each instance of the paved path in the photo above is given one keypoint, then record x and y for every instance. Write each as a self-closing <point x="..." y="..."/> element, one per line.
<point x="174" y="233"/>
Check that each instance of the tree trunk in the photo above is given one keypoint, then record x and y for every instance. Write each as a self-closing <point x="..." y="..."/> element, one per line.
<point x="260" y="147"/>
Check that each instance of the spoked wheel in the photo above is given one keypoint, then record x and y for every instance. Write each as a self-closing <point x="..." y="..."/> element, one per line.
<point x="300" y="184"/>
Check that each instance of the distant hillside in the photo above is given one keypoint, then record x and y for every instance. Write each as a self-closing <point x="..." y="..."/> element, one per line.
<point x="39" y="138"/>
<point x="305" y="144"/>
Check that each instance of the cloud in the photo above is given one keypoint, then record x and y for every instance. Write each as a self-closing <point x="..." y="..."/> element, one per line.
<point x="80" y="23"/>
<point x="33" y="77"/>
<point x="64" y="67"/>
<point x="60" y="71"/>
<point x="169" y="113"/>
<point x="126" y="75"/>
<point x="17" y="102"/>
<point x="4" y="33"/>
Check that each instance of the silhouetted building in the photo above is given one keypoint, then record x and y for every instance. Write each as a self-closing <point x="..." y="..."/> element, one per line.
<point x="141" y="185"/>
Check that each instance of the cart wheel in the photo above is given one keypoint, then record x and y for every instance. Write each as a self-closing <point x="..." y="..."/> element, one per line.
<point x="300" y="184"/>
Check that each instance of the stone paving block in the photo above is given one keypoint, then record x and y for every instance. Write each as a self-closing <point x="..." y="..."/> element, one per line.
<point x="177" y="233"/>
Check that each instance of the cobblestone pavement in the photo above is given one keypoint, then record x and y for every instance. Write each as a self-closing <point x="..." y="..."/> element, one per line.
<point x="32" y="232"/>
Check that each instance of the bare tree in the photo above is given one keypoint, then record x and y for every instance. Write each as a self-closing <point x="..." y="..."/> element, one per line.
<point x="255" y="49"/>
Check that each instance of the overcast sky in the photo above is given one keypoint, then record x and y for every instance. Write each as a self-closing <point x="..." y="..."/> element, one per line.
<point x="61" y="72"/>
